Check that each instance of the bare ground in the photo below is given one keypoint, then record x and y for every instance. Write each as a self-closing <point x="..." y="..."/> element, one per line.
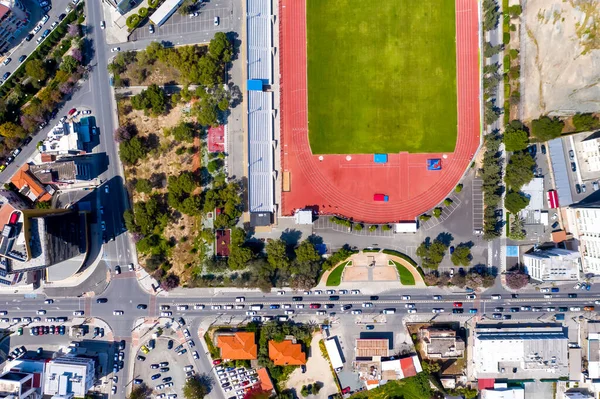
<point x="158" y="73"/>
<point x="560" y="42"/>
<point x="181" y="229"/>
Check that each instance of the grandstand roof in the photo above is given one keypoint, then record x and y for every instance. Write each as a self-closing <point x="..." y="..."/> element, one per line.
<point x="260" y="130"/>
<point x="259" y="34"/>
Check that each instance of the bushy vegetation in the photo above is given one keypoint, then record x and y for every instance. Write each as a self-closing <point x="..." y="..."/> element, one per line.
<point x="432" y="253"/>
<point x="491" y="174"/>
<point x="546" y="128"/>
<point x="585" y="122"/>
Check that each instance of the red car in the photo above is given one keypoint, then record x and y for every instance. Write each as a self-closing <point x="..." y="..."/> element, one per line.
<point x="72" y="111"/>
<point x="217" y="362"/>
<point x="315" y="306"/>
<point x="245" y="383"/>
<point x="345" y="390"/>
<point x="458" y="304"/>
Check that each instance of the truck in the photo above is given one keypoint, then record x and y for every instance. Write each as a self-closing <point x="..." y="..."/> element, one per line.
<point x="380" y="197"/>
<point x="334" y="353"/>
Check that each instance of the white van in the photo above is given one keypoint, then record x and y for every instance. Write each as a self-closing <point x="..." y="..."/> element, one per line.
<point x="256" y="307"/>
<point x="389" y="311"/>
<point x="240" y="299"/>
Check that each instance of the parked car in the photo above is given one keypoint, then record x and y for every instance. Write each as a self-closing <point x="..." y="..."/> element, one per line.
<point x="543" y="149"/>
<point x="573" y="166"/>
<point x="578" y="188"/>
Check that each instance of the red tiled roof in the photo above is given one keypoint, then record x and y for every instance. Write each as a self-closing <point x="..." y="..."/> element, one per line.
<point x="265" y="381"/>
<point x="408" y="368"/>
<point x="3" y="10"/>
<point x="486" y="383"/>
<point x="286" y="353"/>
<point x="47" y="158"/>
<point x="239" y="346"/>
<point x="23" y="178"/>
<point x="223" y="238"/>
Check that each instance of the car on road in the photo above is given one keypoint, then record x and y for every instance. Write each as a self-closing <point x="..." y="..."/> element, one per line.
<point x="367" y="305"/>
<point x="406" y="297"/>
<point x="409" y="305"/>
<point x="574" y="308"/>
<point x="102" y="25"/>
<point x="114" y="389"/>
<point x="526" y="308"/>
<point x="543" y="147"/>
<point x="357" y="311"/>
<point x="437" y="310"/>
<point x="101" y="300"/>
<point x="41" y="312"/>
<point x="216" y="21"/>
<point x="515" y="310"/>
<point x="458" y="311"/>
<point x="583" y="188"/>
<point x="498" y="309"/>
<point x="437" y="297"/>
<point x="571" y="154"/>
<point x="6" y="61"/>
<point x="457" y="304"/>
<point x="497" y="316"/>
<point x="195" y="355"/>
<point x="321" y="313"/>
<point x="473" y="311"/>
<point x="315" y="305"/>
<point x="166" y="314"/>
<point x="151" y="29"/>
<point x="355" y="292"/>
<point x="86" y="112"/>
<point x="595" y="186"/>
<point x="78" y="313"/>
<point x="471" y="296"/>
<point x="194" y="14"/>
<point x="572" y="295"/>
<point x="496" y="296"/>
<point x="573" y="167"/>
<point x="412" y="310"/>
<point x="118" y="313"/>
<point x="115" y="49"/>
<point x="117" y="269"/>
<point x="49" y="301"/>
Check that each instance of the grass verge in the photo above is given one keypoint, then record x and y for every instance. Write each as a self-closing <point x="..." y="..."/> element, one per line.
<point x="406" y="277"/>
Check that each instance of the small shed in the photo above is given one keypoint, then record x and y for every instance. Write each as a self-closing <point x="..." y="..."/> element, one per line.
<point x="380" y="158"/>
<point x="255" y="85"/>
<point x="304" y="216"/>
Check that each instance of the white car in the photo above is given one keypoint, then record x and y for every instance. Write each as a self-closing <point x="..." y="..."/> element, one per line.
<point x="437" y="310"/>
<point x="574" y="308"/>
<point x="240" y="299"/>
<point x="115" y="49"/>
<point x="280" y="292"/>
<point x="343" y="292"/>
<point x="471" y="296"/>
<point x="198" y="307"/>
<point x="49" y="301"/>
<point x="195" y="355"/>
<point x="182" y="307"/>
<point x="307" y="292"/>
<point x="289" y="312"/>
<point x="166" y="314"/>
<point x="250" y="313"/>
<point x="186" y="333"/>
<point x="318" y="292"/>
<point x="412" y="310"/>
<point x="54" y="24"/>
<point x="216" y="307"/>
<point x="355" y="292"/>
<point x="548" y="296"/>
<point x="78" y="313"/>
<point x="239" y="307"/>
<point x="410" y="306"/>
<point x="216" y="21"/>
<point x="102" y="25"/>
<point x="118" y="313"/>
<point x="367" y="305"/>
<point x="321" y="313"/>
<point x="406" y="297"/>
<point x="357" y="311"/>
<point x="551" y="309"/>
<point x="188" y="368"/>
<point x="45" y="18"/>
<point x="228" y="307"/>
<point x="37" y="29"/>
<point x="496" y="296"/>
<point x="299" y="306"/>
<point x="330" y="292"/>
<point x="544" y="290"/>
<point x="577" y="286"/>
<point x="41" y="312"/>
<point x="287" y="306"/>
<point x="130" y="266"/>
<point x="437" y="297"/>
<point x="194" y="14"/>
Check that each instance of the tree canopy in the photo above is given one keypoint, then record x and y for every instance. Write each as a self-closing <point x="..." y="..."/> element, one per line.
<point x="196" y="387"/>
<point x="519" y="170"/>
<point x="10" y="129"/>
<point x="515" y="138"/>
<point x="432" y="253"/>
<point x="515" y="202"/>
<point x="221" y="48"/>
<point x="152" y="101"/>
<point x="132" y="150"/>
<point x="546" y="128"/>
<point x="461" y="256"/>
<point x="585" y="122"/>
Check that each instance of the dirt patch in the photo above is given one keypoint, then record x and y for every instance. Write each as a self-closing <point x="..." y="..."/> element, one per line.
<point x="560" y="42"/>
<point x="385" y="273"/>
<point x="355" y="273"/>
<point x="159" y="73"/>
<point x="164" y="161"/>
<point x="317" y="370"/>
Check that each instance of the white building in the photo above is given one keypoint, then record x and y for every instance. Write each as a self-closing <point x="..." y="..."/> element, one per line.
<point x="17" y="385"/>
<point x="501" y="391"/>
<point x="534" y="190"/>
<point x="590" y="148"/>
<point x="554" y="264"/>
<point x="69" y="375"/>
<point x="514" y="352"/>
<point x="593" y="354"/>
<point x="584" y="223"/>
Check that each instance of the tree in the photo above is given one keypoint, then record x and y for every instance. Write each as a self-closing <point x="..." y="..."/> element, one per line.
<point x="545" y="129"/>
<point x="124" y="133"/>
<point x="306" y="252"/>
<point x="10" y="129"/>
<point x="515" y="202"/>
<point x="141" y="391"/>
<point x="35" y="69"/>
<point x="196" y="387"/>
<point x="519" y="170"/>
<point x="517" y="231"/>
<point x="132" y="150"/>
<point x="153" y="101"/>
<point x="277" y="254"/>
<point x="515" y="139"/>
<point x="220" y="47"/>
<point x="143" y="186"/>
<point x="489" y="50"/>
<point x="461" y="256"/>
<point x="74" y="30"/>
<point x="183" y="132"/>
<point x="431" y="367"/>
<point x="432" y="253"/>
<point x="186" y="7"/>
<point x="458" y="280"/>
<point x="491" y="14"/>
<point x="431" y="279"/>
<point x="585" y="122"/>
<point x="169" y="282"/>
<point x="69" y="64"/>
<point x="517" y="280"/>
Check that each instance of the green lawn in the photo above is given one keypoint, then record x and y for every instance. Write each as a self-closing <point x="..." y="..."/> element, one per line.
<point x="381" y="76"/>
<point x="335" y="277"/>
<point x="406" y="277"/>
<point x="410" y="388"/>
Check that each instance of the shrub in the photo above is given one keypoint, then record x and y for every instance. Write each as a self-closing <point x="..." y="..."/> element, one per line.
<point x="447" y="202"/>
<point x="424" y="217"/>
<point x="584" y="122"/>
<point x="358" y="226"/>
<point x="514" y="53"/>
<point x="153" y="3"/>
<point x="143" y="12"/>
<point x="437" y="212"/>
<point x="340" y="221"/>
<point x="506" y="38"/>
<point x="133" y="21"/>
<point x="458" y="188"/>
<point x="386" y="227"/>
<point x="372" y="228"/>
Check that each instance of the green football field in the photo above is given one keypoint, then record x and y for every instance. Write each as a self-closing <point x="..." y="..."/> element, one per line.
<point x="381" y="76"/>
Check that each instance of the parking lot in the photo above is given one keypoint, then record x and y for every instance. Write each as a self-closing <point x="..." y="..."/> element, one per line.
<point x="163" y="369"/>
<point x="235" y="381"/>
<point x="179" y="24"/>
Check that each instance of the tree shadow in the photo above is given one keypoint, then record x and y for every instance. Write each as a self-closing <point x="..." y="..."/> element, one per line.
<point x="291" y="237"/>
<point x="445" y="238"/>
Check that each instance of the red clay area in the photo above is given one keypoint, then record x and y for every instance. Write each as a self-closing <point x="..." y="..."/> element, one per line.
<point x="223" y="239"/>
<point x="345" y="184"/>
<point x="216" y="139"/>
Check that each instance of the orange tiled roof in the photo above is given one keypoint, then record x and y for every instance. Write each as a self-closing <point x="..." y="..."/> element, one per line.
<point x="23" y="178"/>
<point x="265" y="381"/>
<point x="286" y="353"/>
<point x="239" y="346"/>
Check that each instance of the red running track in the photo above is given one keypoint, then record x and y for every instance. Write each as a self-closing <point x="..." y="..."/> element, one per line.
<point x="341" y="186"/>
